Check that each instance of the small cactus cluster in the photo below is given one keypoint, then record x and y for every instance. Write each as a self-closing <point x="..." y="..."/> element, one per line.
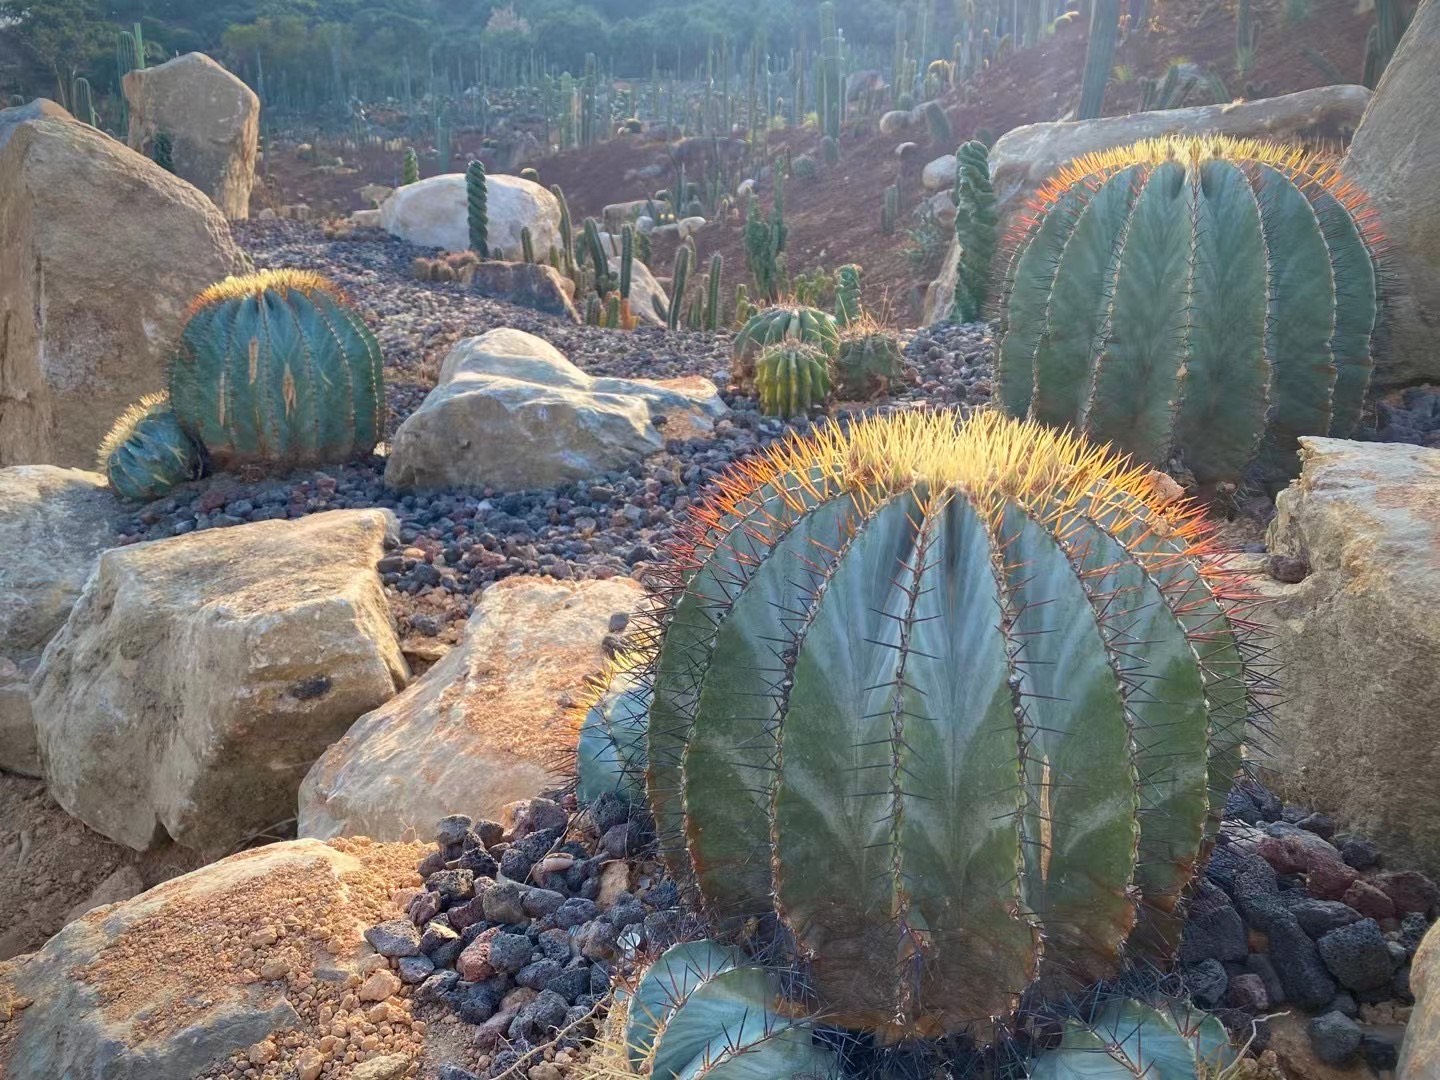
<point x="777" y="325"/>
<point x="848" y="308"/>
<point x="1195" y="302"/>
<point x="791" y="379"/>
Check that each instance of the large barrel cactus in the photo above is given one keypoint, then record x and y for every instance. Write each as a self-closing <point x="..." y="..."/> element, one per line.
<point x="1204" y="299"/>
<point x="146" y="453"/>
<point x="957" y="701"/>
<point x="276" y="368"/>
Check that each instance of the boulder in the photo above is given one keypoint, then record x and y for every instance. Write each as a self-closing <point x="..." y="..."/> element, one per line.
<point x="896" y="121"/>
<point x="39" y="109"/>
<point x="1395" y="158"/>
<point x="241" y="961"/>
<point x="532" y="285"/>
<point x="940" y="294"/>
<point x="197" y="678"/>
<point x="1358" y="640"/>
<point x="213" y="120"/>
<point x="103" y="250"/>
<point x="510" y="412"/>
<point x="939" y="175"/>
<point x="1420" y="1053"/>
<point x="53" y="525"/>
<point x="433" y="213"/>
<point x="487" y="725"/>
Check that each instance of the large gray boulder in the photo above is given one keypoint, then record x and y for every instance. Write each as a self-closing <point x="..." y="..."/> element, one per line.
<point x="39" y="109"/>
<point x="434" y="213"/>
<point x="487" y="725"/>
<point x="510" y="412"/>
<point x="53" y="525"/>
<point x="1395" y="158"/>
<point x="102" y="252"/>
<point x="197" y="678"/>
<point x="1359" y="642"/>
<point x="212" y="119"/>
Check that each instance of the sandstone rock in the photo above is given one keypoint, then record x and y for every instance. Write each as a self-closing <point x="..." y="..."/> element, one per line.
<point x="532" y="285"/>
<point x="482" y="728"/>
<point x="39" y="109"/>
<point x="375" y="194"/>
<point x="1359" y="641"/>
<point x="1420" y="1054"/>
<point x="939" y="175"/>
<point x="1395" y="158"/>
<point x="432" y="213"/>
<point x="361" y="219"/>
<point x="103" y="251"/>
<point x="53" y="525"/>
<point x="212" y="118"/>
<point x="199" y="677"/>
<point x="510" y="412"/>
<point x="155" y="986"/>
<point x="119" y="886"/>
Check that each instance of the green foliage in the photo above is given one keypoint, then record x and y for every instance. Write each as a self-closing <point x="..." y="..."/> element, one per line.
<point x="772" y="326"/>
<point x="1099" y="55"/>
<point x="938" y="120"/>
<point x="1208" y="308"/>
<point x="933" y="638"/>
<point x="1126" y="1038"/>
<point x="791" y="379"/>
<point x="847" y="294"/>
<point x="477" y="190"/>
<point x="867" y="362"/>
<point x="147" y="453"/>
<point x="679" y="280"/>
<point x="976" y="222"/>
<point x="276" y="368"/>
<point x="162" y="151"/>
<point x="410" y="173"/>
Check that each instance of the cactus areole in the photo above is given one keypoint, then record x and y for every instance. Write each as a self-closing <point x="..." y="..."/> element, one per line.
<point x="1202" y="300"/>
<point x="957" y="701"/>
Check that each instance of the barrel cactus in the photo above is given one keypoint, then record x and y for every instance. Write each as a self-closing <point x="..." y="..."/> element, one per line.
<point x="905" y="698"/>
<point x="805" y="325"/>
<point x="791" y="379"/>
<point x="1122" y="1039"/>
<point x="147" y="453"/>
<point x="1208" y="300"/>
<point x="866" y="362"/>
<point x="277" y="368"/>
<point x="611" y="723"/>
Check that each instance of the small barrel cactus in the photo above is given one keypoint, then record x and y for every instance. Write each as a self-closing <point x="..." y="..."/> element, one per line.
<point x="1202" y="299"/>
<point x="1124" y="1039"/>
<point x="147" y="453"/>
<point x="702" y="1010"/>
<point x="277" y="368"/>
<point x="791" y="379"/>
<point x="806" y="325"/>
<point x="867" y="361"/>
<point x="906" y="700"/>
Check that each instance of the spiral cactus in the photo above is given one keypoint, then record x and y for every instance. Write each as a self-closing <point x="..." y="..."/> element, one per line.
<point x="847" y="294"/>
<point x="1207" y="299"/>
<point x="477" y="197"/>
<point x="276" y="368"/>
<point x="975" y="225"/>
<point x="867" y="361"/>
<point x="805" y="325"/>
<point x="791" y="379"/>
<point x="146" y="453"/>
<point x="906" y="699"/>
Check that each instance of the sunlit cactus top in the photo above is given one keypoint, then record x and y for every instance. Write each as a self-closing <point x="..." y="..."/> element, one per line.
<point x="959" y="701"/>
<point x="1196" y="301"/>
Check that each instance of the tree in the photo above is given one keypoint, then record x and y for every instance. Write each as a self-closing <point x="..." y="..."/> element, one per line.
<point x="64" y="36"/>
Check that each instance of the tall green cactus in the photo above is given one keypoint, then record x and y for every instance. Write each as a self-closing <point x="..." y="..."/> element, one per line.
<point x="1247" y="36"/>
<point x="829" y="76"/>
<point x="792" y="378"/>
<point x="942" y="133"/>
<point x="680" y="278"/>
<point x="82" y="101"/>
<point x="147" y="453"/>
<point x="567" y="232"/>
<point x="477" y="215"/>
<point x="1099" y="56"/>
<point x="975" y="229"/>
<point x="599" y="258"/>
<point x="890" y="210"/>
<point x="276" y="368"/>
<point x="527" y="244"/>
<point x="1209" y="299"/>
<point x="904" y="699"/>
<point x="410" y="169"/>
<point x="847" y="294"/>
<point x="712" y="302"/>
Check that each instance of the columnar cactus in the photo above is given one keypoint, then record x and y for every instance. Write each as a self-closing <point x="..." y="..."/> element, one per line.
<point x="147" y="453"/>
<point x="679" y="280"/>
<point x="410" y="170"/>
<point x="567" y="232"/>
<point x="477" y="214"/>
<point x="1206" y="299"/>
<point x="712" y="302"/>
<point x="791" y="379"/>
<point x="527" y="244"/>
<point x="1099" y="56"/>
<point x="909" y="698"/>
<point x="938" y="120"/>
<point x="277" y="368"/>
<point x="847" y="294"/>
<point x="975" y="225"/>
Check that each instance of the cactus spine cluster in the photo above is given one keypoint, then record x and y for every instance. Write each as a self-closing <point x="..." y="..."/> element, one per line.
<point x="904" y="700"/>
<point x="410" y="173"/>
<point x="147" y="453"/>
<point x="1202" y="299"/>
<point x="975" y="227"/>
<point x="791" y="379"/>
<point x="1099" y="55"/>
<point x="276" y="368"/>
<point x="477" y="215"/>
<point x="847" y="294"/>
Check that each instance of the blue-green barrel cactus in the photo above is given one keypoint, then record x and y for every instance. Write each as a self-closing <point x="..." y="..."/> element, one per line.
<point x="1124" y="1039"/>
<point x="147" y="453"/>
<point x="1202" y="301"/>
<point x="958" y="702"/>
<point x="277" y="368"/>
<point x="610" y="738"/>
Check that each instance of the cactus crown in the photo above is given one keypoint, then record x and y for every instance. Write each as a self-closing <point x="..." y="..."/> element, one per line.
<point x="904" y="697"/>
<point x="282" y="282"/>
<point x="1206" y="298"/>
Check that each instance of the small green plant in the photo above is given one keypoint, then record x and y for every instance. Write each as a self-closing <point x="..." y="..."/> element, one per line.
<point x="527" y="244"/>
<point x="976" y="222"/>
<point x="162" y="151"/>
<point x="476" y="208"/>
<point x="147" y="453"/>
<point x="791" y="379"/>
<point x="411" y="169"/>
